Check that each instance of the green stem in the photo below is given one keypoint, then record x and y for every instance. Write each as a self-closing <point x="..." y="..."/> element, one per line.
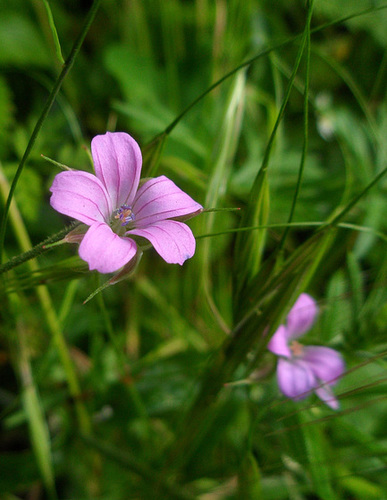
<point x="336" y="218"/>
<point x="36" y="250"/>
<point x="266" y="52"/>
<point x="249" y="247"/>
<point x="132" y="390"/>
<point x="49" y="313"/>
<point x="306" y="126"/>
<point x="299" y="225"/>
<point x="378" y="85"/>
<point x="35" y="414"/>
<point x="51" y="98"/>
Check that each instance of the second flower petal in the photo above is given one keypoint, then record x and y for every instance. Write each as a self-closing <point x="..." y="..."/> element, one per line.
<point x="325" y="394"/>
<point x="278" y="344"/>
<point x="327" y="364"/>
<point x="301" y="316"/>
<point x="295" y="379"/>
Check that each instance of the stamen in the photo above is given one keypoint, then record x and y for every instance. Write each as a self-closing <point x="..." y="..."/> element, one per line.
<point x="297" y="349"/>
<point x="125" y="214"/>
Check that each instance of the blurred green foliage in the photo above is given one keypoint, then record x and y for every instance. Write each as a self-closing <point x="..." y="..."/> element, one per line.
<point x="175" y="393"/>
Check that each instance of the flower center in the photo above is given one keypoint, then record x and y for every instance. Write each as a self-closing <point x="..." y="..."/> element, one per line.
<point x="124" y="214"/>
<point x="297" y="349"/>
<point x="121" y="218"/>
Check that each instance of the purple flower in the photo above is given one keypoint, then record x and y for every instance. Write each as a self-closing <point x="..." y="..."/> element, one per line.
<point x="115" y="208"/>
<point x="302" y="369"/>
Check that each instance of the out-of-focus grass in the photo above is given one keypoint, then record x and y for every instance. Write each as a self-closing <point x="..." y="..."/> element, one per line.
<point x="171" y="365"/>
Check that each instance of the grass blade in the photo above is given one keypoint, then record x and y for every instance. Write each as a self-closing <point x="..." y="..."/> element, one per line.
<point x="54" y="32"/>
<point x="50" y="101"/>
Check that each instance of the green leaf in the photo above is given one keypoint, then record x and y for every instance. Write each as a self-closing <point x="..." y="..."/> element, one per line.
<point x="29" y="194"/>
<point x="336" y="316"/>
<point x="362" y="488"/>
<point x="250" y="247"/>
<point x="317" y="457"/>
<point x="151" y="155"/>
<point x="39" y="436"/>
<point x="249" y="479"/>
<point x="256" y="207"/>
<point x="54" y="32"/>
<point x="374" y="23"/>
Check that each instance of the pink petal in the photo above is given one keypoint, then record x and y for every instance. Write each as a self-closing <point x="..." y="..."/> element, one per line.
<point x="295" y="379"/>
<point x="279" y="343"/>
<point x="159" y="199"/>
<point x="325" y="394"/>
<point x="104" y="250"/>
<point x="117" y="162"/>
<point x="301" y="316"/>
<point x="327" y="364"/>
<point x="80" y="195"/>
<point x="172" y="240"/>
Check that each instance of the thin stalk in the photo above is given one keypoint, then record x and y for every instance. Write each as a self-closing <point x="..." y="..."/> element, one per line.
<point x="266" y="52"/>
<point x="51" y="98"/>
<point x="305" y="38"/>
<point x="245" y="246"/>
<point x="336" y="218"/>
<point x="305" y="126"/>
<point x="29" y="395"/>
<point x="378" y="85"/>
<point x="49" y="313"/>
<point x="299" y="225"/>
<point x="39" y="433"/>
<point x="131" y="388"/>
<point x="355" y="89"/>
<point x="38" y="249"/>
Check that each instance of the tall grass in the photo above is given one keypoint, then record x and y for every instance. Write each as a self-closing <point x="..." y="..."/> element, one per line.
<point x="161" y="385"/>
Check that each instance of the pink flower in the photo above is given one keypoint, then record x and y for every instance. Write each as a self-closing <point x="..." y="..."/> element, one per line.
<point x="302" y="369"/>
<point x="116" y="209"/>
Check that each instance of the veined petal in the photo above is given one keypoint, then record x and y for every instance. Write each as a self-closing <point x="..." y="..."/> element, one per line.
<point x="104" y="250"/>
<point x="325" y="394"/>
<point x="279" y="343"/>
<point x="327" y="364"/>
<point x="295" y="379"/>
<point x="172" y="240"/>
<point x="80" y="195"/>
<point x="301" y="316"/>
<point x="159" y="199"/>
<point x="117" y="162"/>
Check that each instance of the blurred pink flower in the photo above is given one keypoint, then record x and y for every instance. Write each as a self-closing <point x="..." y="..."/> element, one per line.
<point x="116" y="209"/>
<point x="302" y="369"/>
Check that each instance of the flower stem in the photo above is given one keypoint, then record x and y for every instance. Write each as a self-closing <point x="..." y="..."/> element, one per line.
<point x="38" y="249"/>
